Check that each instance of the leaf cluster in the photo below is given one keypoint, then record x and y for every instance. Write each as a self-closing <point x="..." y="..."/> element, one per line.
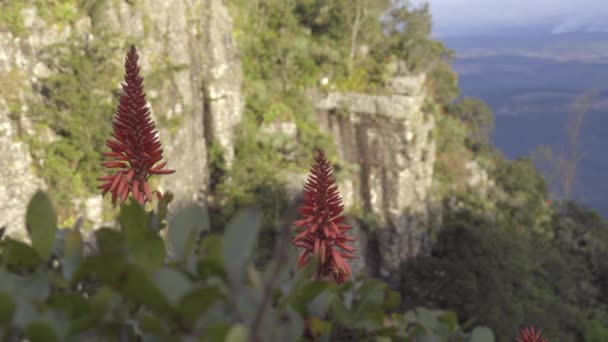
<point x="131" y="284"/>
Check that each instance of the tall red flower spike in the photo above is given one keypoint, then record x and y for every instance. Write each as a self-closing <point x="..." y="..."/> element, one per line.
<point x="321" y="232"/>
<point x="530" y="335"/>
<point x="136" y="148"/>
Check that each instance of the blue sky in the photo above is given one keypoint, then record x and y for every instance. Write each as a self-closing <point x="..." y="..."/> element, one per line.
<point x="454" y="17"/>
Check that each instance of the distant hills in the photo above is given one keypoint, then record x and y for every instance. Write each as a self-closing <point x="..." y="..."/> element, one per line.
<point x="583" y="47"/>
<point x="530" y="82"/>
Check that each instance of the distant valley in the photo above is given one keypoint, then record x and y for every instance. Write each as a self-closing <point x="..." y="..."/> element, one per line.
<point x="530" y="82"/>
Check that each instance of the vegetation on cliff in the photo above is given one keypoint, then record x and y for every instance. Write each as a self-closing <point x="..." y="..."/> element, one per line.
<point x="504" y="258"/>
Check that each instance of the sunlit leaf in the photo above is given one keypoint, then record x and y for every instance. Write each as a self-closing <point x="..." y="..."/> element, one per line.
<point x="133" y="220"/>
<point x="238" y="333"/>
<point x="239" y="241"/>
<point x="41" y="222"/>
<point x="482" y="334"/>
<point x="184" y="229"/>
<point x="72" y="253"/>
<point x="173" y="283"/>
<point x="319" y="327"/>
<point x="148" y="250"/>
<point x="197" y="302"/>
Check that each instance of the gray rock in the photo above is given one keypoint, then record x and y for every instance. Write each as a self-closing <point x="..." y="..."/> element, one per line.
<point x="17" y="183"/>
<point x="391" y="140"/>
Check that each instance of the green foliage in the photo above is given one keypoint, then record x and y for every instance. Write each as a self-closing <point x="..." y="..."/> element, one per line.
<point x="41" y="223"/>
<point x="443" y="84"/>
<point x="76" y="107"/>
<point x="287" y="47"/>
<point x="450" y="173"/>
<point x="525" y="205"/>
<point x="10" y="16"/>
<point x="408" y="37"/>
<point x="125" y="288"/>
<point x="63" y="12"/>
<point x="494" y="275"/>
<point x="479" y="119"/>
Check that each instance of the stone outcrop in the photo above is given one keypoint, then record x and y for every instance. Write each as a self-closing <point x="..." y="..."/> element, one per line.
<point x="193" y="39"/>
<point x="391" y="141"/>
<point x="17" y="183"/>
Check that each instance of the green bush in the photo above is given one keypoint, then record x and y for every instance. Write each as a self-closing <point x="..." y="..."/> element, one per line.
<point x="129" y="284"/>
<point x="493" y="275"/>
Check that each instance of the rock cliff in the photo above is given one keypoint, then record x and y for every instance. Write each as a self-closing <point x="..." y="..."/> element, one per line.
<point x="194" y="79"/>
<point x="391" y="140"/>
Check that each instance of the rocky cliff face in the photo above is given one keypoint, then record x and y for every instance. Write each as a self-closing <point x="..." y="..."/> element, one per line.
<point x="188" y="43"/>
<point x="193" y="39"/>
<point x="188" y="46"/>
<point x="390" y="139"/>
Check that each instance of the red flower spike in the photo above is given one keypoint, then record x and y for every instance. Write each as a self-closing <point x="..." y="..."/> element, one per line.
<point x="320" y="233"/>
<point x="135" y="148"/>
<point x="529" y="334"/>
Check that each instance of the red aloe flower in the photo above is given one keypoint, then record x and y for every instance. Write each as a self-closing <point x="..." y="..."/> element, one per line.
<point x="530" y="335"/>
<point x="136" y="147"/>
<point x="323" y="233"/>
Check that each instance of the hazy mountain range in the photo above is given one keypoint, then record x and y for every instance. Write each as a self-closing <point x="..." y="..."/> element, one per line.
<point x="530" y="81"/>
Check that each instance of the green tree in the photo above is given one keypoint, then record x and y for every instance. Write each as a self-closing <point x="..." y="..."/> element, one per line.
<point x="477" y="116"/>
<point x="408" y="36"/>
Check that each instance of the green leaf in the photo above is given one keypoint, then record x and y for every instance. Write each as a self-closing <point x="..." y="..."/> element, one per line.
<point x="184" y="229"/>
<point x="392" y="300"/>
<point x="239" y="241"/>
<point x="7" y="309"/>
<point x="173" y="283"/>
<point x="319" y="327"/>
<point x="110" y="241"/>
<point x="74" y="305"/>
<point x="238" y="333"/>
<point x="153" y="324"/>
<point x="383" y="339"/>
<point x="208" y="268"/>
<point x="148" y="251"/>
<point x="129" y="280"/>
<point x="289" y="327"/>
<point x="145" y="245"/>
<point x="211" y="247"/>
<point x="139" y="287"/>
<point x="198" y="301"/>
<point x="41" y="331"/>
<point x="341" y="313"/>
<point x="450" y="319"/>
<point x="73" y="252"/>
<point x="41" y="222"/>
<point x="320" y="304"/>
<point x="163" y="205"/>
<point x="371" y="296"/>
<point x="303" y="295"/>
<point x="482" y="334"/>
<point x="103" y="299"/>
<point x="19" y="255"/>
<point x="133" y="219"/>
<point x="216" y="332"/>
